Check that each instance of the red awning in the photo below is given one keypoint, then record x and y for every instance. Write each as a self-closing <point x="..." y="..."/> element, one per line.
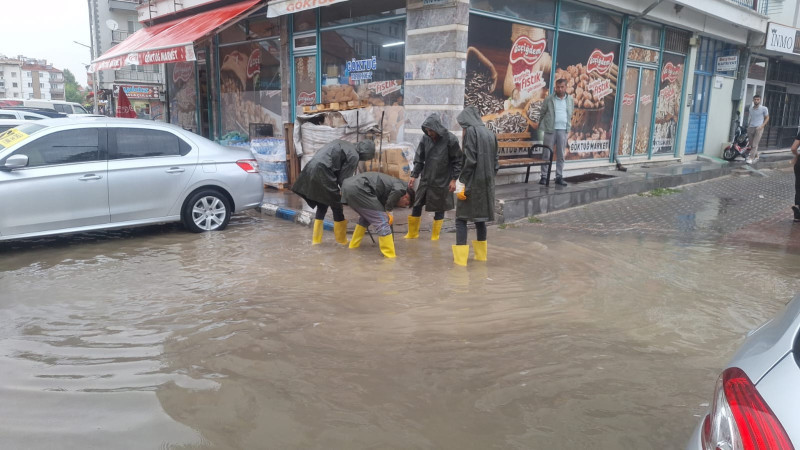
<point x="168" y="42"/>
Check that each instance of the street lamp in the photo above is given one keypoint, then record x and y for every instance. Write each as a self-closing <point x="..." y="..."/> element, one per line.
<point x="94" y="77"/>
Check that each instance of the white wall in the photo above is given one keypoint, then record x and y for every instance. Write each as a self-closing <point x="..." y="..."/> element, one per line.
<point x="720" y="110"/>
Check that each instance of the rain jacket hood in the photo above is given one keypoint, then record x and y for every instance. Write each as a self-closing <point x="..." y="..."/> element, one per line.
<point x="436" y="164"/>
<point x="366" y="150"/>
<point x="434" y="122"/>
<point x="373" y="190"/>
<point x="469" y="118"/>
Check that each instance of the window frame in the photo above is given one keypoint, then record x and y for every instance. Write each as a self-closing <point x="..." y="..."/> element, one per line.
<point x="184" y="147"/>
<point x="102" y="147"/>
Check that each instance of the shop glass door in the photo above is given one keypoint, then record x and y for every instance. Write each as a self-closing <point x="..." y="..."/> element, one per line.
<point x="636" y="114"/>
<point x="305" y="82"/>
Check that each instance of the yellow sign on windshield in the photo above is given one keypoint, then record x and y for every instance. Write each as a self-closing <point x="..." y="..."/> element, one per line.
<point x="12" y="137"/>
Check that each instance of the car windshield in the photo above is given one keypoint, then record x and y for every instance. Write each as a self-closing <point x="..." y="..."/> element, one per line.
<point x="79" y="110"/>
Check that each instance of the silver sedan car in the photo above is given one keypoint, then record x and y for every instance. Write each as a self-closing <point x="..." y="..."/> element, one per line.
<point x="755" y="404"/>
<point x="74" y="175"/>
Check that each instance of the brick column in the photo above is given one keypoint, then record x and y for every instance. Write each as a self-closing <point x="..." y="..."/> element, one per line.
<point x="436" y="58"/>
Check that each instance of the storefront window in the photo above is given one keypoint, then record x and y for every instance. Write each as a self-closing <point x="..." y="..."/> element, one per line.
<point x="590" y="68"/>
<point x="250" y="29"/>
<point x="182" y="95"/>
<point x="643" y="55"/>
<point x="250" y="82"/>
<point x="364" y="63"/>
<point x="508" y="73"/>
<point x="304" y="20"/>
<point x="359" y="11"/>
<point x="305" y="81"/>
<point x="645" y="34"/>
<point x="589" y="20"/>
<point x="669" y="104"/>
<point x="543" y="11"/>
<point x="757" y="69"/>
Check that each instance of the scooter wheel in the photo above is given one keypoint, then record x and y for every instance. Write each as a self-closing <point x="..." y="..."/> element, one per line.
<point x="728" y="154"/>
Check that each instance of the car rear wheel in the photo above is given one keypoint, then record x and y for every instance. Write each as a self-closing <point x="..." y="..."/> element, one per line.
<point x="207" y="210"/>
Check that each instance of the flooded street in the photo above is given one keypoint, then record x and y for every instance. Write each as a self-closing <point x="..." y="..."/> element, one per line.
<point x="251" y="338"/>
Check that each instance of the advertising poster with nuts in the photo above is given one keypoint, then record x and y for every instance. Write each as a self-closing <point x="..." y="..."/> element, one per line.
<point x="508" y="73"/>
<point x="590" y="67"/>
<point x="250" y="88"/>
<point x="182" y="95"/>
<point x="669" y="104"/>
<point x="305" y="81"/>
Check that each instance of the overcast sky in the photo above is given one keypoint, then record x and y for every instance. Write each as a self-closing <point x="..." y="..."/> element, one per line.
<point x="45" y="29"/>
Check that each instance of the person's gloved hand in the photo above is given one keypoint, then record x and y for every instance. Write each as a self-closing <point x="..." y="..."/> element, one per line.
<point x="461" y="195"/>
<point x="391" y="218"/>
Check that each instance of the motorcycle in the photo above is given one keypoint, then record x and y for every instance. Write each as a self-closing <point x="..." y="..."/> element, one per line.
<point x="740" y="145"/>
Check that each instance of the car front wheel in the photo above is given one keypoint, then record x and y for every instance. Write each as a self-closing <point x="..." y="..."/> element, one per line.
<point x="207" y="210"/>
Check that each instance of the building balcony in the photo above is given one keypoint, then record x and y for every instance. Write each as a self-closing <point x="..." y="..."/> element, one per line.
<point x="118" y="36"/>
<point x="135" y="75"/>
<point x="759" y="6"/>
<point x="56" y="91"/>
<point x="125" y="5"/>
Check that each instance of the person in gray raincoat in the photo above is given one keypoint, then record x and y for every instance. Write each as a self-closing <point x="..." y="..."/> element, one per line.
<point x="320" y="181"/>
<point x="437" y="164"/>
<point x="373" y="196"/>
<point x="476" y="201"/>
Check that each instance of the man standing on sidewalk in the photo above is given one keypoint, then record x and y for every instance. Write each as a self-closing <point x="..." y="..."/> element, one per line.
<point x="555" y="121"/>
<point x="759" y="117"/>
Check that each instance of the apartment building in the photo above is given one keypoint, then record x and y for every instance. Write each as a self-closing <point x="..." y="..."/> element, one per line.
<point x="27" y="78"/>
<point x="111" y="22"/>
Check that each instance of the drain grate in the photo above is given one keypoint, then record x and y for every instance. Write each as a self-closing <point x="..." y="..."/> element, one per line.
<point x="588" y="177"/>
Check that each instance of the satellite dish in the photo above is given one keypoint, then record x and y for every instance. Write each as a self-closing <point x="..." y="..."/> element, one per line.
<point x="112" y="24"/>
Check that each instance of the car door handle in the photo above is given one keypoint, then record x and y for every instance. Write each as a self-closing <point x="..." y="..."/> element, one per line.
<point x="90" y="177"/>
<point x="176" y="170"/>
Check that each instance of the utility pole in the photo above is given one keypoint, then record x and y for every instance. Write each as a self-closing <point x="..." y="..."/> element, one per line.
<point x="94" y="75"/>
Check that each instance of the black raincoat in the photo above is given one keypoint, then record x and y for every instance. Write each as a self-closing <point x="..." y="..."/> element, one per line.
<point x="439" y="162"/>
<point x="373" y="190"/>
<point x="321" y="178"/>
<point x="480" y="166"/>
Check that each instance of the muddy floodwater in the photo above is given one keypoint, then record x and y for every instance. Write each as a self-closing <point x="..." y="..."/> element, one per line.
<point x="252" y="339"/>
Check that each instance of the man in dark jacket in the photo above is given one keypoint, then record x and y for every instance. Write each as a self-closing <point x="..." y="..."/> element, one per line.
<point x="476" y="202"/>
<point x="438" y="162"/>
<point x="321" y="178"/>
<point x="373" y="196"/>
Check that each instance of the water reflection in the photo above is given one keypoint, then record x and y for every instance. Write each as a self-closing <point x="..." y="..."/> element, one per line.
<point x="252" y="338"/>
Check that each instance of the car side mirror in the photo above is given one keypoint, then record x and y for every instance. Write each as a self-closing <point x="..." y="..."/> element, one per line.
<point x="16" y="162"/>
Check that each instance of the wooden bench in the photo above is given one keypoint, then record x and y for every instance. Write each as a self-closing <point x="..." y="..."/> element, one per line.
<point x="519" y="150"/>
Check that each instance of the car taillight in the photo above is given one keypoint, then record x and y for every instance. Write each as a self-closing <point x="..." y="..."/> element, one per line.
<point x="248" y="165"/>
<point x="740" y="419"/>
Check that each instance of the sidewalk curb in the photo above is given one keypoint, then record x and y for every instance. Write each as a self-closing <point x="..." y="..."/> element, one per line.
<point x="299" y="217"/>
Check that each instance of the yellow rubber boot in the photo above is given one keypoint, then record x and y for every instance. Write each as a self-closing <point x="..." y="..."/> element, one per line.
<point x="316" y="236"/>
<point x="480" y="250"/>
<point x="340" y="231"/>
<point x="387" y="245"/>
<point x="437" y="228"/>
<point x="413" y="228"/>
<point x="460" y="254"/>
<point x="358" y="234"/>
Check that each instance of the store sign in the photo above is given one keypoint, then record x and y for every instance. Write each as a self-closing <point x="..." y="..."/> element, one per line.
<point x="280" y="7"/>
<point x="384" y="88"/>
<point x="139" y="91"/>
<point x="671" y="72"/>
<point x="627" y="99"/>
<point x="306" y="98"/>
<point x="361" y="69"/>
<point x="782" y="39"/>
<point x="589" y="146"/>
<point x="727" y="63"/>
<point x="599" y="62"/>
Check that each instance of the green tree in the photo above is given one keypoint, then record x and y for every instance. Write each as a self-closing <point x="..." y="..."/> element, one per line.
<point x="71" y="88"/>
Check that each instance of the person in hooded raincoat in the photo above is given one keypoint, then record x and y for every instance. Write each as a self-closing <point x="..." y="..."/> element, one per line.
<point x="373" y="195"/>
<point x="437" y="164"/>
<point x="320" y="181"/>
<point x="476" y="201"/>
